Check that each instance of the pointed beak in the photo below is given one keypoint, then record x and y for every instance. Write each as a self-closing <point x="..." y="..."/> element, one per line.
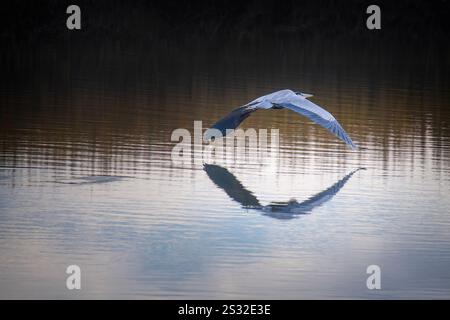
<point x="307" y="95"/>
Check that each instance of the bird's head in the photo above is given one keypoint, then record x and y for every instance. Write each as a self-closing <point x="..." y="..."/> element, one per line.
<point x="305" y="95"/>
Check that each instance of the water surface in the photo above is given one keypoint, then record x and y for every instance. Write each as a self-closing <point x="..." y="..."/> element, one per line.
<point x="86" y="178"/>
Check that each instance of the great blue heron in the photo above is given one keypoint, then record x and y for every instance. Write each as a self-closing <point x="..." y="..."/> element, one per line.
<point x="295" y="101"/>
<point x="280" y="210"/>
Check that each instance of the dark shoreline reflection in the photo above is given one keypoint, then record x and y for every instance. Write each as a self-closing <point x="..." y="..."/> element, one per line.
<point x="115" y="115"/>
<point x="280" y="210"/>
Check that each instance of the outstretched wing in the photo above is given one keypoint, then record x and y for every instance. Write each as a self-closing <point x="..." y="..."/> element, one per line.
<point x="318" y="115"/>
<point x="235" y="117"/>
<point x="230" y="121"/>
<point x="294" y="207"/>
<point x="326" y="194"/>
<point x="231" y="185"/>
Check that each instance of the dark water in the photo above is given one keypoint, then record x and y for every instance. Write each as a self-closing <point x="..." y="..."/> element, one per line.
<point x="86" y="177"/>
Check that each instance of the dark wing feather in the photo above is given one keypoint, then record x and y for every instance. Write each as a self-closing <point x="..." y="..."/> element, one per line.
<point x="326" y="194"/>
<point x="231" y="185"/>
<point x="230" y="121"/>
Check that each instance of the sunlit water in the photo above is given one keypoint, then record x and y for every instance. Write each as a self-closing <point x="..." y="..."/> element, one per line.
<point x="86" y="178"/>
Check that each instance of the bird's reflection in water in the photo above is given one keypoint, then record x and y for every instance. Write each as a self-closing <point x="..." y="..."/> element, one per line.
<point x="279" y="210"/>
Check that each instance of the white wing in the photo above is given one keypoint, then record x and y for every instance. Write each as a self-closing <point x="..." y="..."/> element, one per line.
<point x="317" y="114"/>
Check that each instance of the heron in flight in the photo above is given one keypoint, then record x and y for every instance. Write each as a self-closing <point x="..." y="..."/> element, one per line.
<point x="283" y="99"/>
<point x="279" y="210"/>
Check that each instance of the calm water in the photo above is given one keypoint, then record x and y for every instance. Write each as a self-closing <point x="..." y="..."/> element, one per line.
<point x="86" y="178"/>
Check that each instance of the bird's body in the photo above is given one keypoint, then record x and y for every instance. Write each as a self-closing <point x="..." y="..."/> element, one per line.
<point x="283" y="99"/>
